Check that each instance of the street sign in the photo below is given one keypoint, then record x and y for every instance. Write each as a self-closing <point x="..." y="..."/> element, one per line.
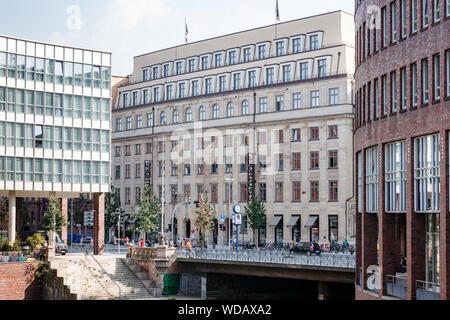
<point x="88" y="218"/>
<point x="237" y="209"/>
<point x="237" y="219"/>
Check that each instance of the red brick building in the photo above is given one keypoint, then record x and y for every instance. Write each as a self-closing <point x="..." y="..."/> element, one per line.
<point x="402" y="123"/>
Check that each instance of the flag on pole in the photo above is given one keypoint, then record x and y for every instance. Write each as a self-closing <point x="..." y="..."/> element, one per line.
<point x="278" y="13"/>
<point x="187" y="31"/>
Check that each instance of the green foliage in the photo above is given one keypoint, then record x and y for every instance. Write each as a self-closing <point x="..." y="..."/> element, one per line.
<point x="53" y="219"/>
<point x="4" y="245"/>
<point x="35" y="240"/>
<point x="112" y="208"/>
<point x="17" y="245"/>
<point x="256" y="213"/>
<point x="149" y="214"/>
<point x="42" y="271"/>
<point x="205" y="216"/>
<point x="80" y="206"/>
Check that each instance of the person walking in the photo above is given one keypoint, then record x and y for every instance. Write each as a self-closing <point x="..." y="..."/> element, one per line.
<point x="189" y="247"/>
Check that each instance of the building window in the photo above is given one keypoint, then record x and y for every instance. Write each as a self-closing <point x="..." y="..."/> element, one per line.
<point x="138" y="149"/>
<point x="280" y="48"/>
<point x="176" y="116"/>
<point x="393" y="22"/>
<point x="222" y="82"/>
<point x="297" y="100"/>
<point x="181" y="90"/>
<point x="278" y="191"/>
<point x="214" y="193"/>
<point x="372" y="180"/>
<point x="208" y="86"/>
<point x="173" y="193"/>
<point x="425" y="87"/>
<point x="204" y="63"/>
<point x="304" y="71"/>
<point x="163" y="118"/>
<point x="314" y="160"/>
<point x="286" y="73"/>
<point x="247" y="54"/>
<point x="262" y="52"/>
<point x="138" y="171"/>
<point x="232" y="57"/>
<point x="166" y="70"/>
<point x="296" y="161"/>
<point x="245" y="108"/>
<point x="403" y="26"/>
<point x="296" y="191"/>
<point x="155" y="73"/>
<point x="127" y="195"/>
<point x="202" y="113"/>
<point x="333" y="228"/>
<point x="263" y="192"/>
<point x="322" y="68"/>
<point x="129" y="122"/>
<point x="394" y="92"/>
<point x="395" y="177"/>
<point x="360" y="179"/>
<point x="218" y="60"/>
<point x="230" y="110"/>
<point x="384" y="93"/>
<point x="216" y="110"/>
<point x="333" y="94"/>
<point x="447" y="68"/>
<point x="314" y="191"/>
<point x="314" y="133"/>
<point x="403" y="89"/>
<point x="427" y="174"/>
<point x="117" y="151"/>
<point x="414" y="24"/>
<point x="125" y="100"/>
<point x="296" y="135"/>
<point x="149" y="147"/>
<point x="315" y="98"/>
<point x="179" y="67"/>
<point x="194" y="88"/>
<point x="189" y="115"/>
<point x="117" y="172"/>
<point x="384" y="26"/>
<point x="139" y="122"/>
<point x="270" y="76"/>
<point x="296" y="45"/>
<point x="332" y="132"/>
<point x="436" y="11"/>
<point x="243" y="192"/>
<point x="425" y="13"/>
<point x="145" y="75"/>
<point x="127" y="171"/>
<point x="333" y="191"/>
<point x="146" y="98"/>
<point x="149" y="119"/>
<point x="191" y="65"/>
<point x="252" y="79"/>
<point x="314" y="42"/>
<point x="237" y="81"/>
<point x="333" y="159"/>
<point x="436" y="78"/>
<point x="262" y="105"/>
<point x="118" y="125"/>
<point x="414" y="88"/>
<point x="279" y="105"/>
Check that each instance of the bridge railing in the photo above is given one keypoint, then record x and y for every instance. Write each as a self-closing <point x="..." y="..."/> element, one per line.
<point x="324" y="260"/>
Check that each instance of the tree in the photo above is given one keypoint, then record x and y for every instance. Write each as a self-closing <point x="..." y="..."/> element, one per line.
<point x="53" y="219"/>
<point x="3" y="214"/>
<point x="81" y="205"/>
<point x="149" y="215"/>
<point x="113" y="207"/>
<point x="205" y="216"/>
<point x="256" y="213"/>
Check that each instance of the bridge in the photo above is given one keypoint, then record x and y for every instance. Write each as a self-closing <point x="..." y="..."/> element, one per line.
<point x="339" y="268"/>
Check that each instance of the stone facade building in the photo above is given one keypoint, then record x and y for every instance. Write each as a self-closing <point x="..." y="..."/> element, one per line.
<point x="402" y="124"/>
<point x="193" y="117"/>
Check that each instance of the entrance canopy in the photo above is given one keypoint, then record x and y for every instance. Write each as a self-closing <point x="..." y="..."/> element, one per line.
<point x="311" y="222"/>
<point x="275" y="221"/>
<point x="293" y="221"/>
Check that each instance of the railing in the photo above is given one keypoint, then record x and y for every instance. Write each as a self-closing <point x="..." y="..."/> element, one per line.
<point x="103" y="271"/>
<point x="278" y="257"/>
<point x="396" y="286"/>
<point x="427" y="290"/>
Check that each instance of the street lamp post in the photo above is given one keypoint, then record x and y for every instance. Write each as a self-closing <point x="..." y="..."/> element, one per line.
<point x="229" y="207"/>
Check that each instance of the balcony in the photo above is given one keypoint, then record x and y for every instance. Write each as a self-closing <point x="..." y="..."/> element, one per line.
<point x="427" y="290"/>
<point x="396" y="286"/>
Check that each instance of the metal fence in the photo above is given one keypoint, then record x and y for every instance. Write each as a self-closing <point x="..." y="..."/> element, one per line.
<point x="324" y="260"/>
<point x="427" y="290"/>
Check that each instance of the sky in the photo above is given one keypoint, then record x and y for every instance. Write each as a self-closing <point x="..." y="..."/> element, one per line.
<point x="128" y="28"/>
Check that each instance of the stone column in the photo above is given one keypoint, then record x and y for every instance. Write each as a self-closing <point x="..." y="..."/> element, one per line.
<point x="99" y="223"/>
<point x="323" y="290"/>
<point x="12" y="217"/>
<point x="64" y="210"/>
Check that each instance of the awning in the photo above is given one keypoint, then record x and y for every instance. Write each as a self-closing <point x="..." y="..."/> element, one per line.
<point x="293" y="221"/>
<point x="311" y="222"/>
<point x="275" y="221"/>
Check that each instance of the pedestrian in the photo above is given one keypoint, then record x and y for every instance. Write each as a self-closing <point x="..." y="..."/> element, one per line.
<point x="345" y="243"/>
<point x="189" y="247"/>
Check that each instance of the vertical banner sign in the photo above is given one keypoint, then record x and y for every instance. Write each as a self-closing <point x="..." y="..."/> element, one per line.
<point x="251" y="178"/>
<point x="147" y="174"/>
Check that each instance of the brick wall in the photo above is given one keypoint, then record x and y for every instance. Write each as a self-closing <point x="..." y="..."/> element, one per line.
<point x="17" y="281"/>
